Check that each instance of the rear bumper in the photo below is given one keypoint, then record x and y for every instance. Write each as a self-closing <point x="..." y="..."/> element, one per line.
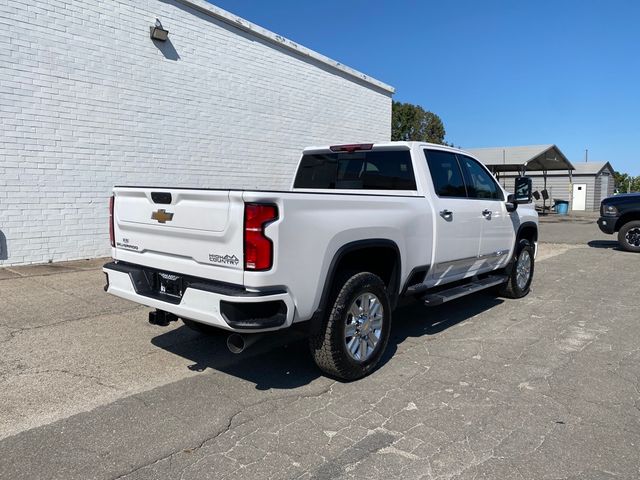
<point x="230" y="307"/>
<point x="607" y="224"/>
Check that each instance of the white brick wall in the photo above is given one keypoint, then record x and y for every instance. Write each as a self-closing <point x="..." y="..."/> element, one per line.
<point x="88" y="101"/>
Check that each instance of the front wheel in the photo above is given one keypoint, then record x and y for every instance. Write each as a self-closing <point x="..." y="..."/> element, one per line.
<point x="354" y="335"/>
<point x="520" y="274"/>
<point x="629" y="236"/>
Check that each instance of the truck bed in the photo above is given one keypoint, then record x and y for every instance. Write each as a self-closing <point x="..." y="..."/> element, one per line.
<point x="204" y="235"/>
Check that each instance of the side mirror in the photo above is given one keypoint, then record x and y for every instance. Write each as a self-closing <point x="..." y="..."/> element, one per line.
<point x="524" y="190"/>
<point x="512" y="204"/>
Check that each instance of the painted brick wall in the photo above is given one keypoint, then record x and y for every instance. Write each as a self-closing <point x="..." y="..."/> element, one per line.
<point x="88" y="101"/>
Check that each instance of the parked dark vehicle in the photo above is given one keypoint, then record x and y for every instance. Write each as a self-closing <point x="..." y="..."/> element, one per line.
<point x="621" y="214"/>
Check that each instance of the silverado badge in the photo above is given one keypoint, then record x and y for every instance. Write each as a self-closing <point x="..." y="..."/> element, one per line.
<point x="162" y="216"/>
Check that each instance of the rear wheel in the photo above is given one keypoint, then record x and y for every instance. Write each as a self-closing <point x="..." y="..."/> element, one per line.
<point x="629" y="236"/>
<point x="520" y="272"/>
<point x="355" y="333"/>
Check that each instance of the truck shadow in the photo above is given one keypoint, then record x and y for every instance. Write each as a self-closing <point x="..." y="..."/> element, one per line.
<point x="283" y="361"/>
<point x="611" y="244"/>
<point x="278" y="361"/>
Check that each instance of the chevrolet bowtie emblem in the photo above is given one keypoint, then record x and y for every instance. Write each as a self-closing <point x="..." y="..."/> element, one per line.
<point x="162" y="216"/>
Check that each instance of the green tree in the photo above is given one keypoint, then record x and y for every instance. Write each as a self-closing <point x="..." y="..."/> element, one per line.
<point x="626" y="183"/>
<point x="621" y="180"/>
<point x="413" y="123"/>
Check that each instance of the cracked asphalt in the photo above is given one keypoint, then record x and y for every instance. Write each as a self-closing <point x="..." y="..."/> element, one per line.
<point x="542" y="387"/>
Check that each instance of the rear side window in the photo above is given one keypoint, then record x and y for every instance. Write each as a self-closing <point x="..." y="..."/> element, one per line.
<point x="370" y="170"/>
<point x="480" y="184"/>
<point x="445" y="173"/>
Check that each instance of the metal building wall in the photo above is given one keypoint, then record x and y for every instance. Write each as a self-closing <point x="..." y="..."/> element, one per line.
<point x="559" y="187"/>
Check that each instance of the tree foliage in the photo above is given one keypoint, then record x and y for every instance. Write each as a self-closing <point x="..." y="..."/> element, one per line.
<point x="413" y="123"/>
<point x="626" y="183"/>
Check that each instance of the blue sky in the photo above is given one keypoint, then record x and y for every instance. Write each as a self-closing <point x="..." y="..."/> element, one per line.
<point x="497" y="72"/>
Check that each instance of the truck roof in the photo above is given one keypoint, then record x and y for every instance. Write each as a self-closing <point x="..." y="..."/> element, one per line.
<point x="377" y="146"/>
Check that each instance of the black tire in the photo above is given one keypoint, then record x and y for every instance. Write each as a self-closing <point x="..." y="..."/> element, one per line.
<point x="629" y="236"/>
<point x="514" y="289"/>
<point x="329" y="347"/>
<point x="201" y="327"/>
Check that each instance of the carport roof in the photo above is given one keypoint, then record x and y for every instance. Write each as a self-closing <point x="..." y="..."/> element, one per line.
<point x="528" y="157"/>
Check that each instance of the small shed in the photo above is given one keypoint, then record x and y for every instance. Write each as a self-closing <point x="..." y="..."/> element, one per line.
<point x="585" y="188"/>
<point x="582" y="184"/>
<point x="536" y="161"/>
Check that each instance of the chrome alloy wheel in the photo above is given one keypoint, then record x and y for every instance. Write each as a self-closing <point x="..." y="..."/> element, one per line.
<point x="363" y="326"/>
<point x="523" y="269"/>
<point x="633" y="237"/>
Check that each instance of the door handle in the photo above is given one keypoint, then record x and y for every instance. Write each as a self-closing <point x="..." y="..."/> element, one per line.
<point x="446" y="214"/>
<point x="487" y="213"/>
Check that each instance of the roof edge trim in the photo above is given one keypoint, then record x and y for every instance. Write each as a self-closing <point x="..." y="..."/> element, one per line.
<point x="218" y="13"/>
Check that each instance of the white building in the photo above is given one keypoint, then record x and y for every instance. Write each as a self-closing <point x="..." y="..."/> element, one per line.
<point x="88" y="100"/>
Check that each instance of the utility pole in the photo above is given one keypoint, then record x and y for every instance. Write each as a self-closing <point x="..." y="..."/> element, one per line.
<point x="586" y="155"/>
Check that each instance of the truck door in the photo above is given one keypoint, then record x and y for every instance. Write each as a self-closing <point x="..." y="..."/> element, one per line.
<point x="497" y="233"/>
<point x="457" y="223"/>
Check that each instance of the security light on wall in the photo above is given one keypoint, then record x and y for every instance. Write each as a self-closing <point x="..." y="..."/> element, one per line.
<point x="158" y="33"/>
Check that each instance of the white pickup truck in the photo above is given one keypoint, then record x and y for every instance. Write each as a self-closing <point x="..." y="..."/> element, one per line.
<point x="363" y="227"/>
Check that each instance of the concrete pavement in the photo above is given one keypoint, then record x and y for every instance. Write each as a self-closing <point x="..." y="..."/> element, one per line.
<point x="543" y="387"/>
<point x="575" y="229"/>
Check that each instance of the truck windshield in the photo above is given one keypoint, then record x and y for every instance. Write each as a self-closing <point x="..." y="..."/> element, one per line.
<point x="370" y="170"/>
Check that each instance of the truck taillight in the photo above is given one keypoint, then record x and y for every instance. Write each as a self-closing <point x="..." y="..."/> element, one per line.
<point x="112" y="237"/>
<point x="258" y="249"/>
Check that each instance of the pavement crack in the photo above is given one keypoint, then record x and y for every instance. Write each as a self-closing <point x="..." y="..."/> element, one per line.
<point x="227" y="427"/>
<point x="95" y="379"/>
<point x="19" y="330"/>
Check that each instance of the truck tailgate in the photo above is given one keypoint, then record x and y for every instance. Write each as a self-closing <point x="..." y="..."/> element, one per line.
<point x="193" y="232"/>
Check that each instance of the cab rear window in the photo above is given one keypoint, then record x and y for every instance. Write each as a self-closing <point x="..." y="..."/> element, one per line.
<point x="370" y="170"/>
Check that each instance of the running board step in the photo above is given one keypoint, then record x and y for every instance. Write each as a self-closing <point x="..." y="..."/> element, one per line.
<point x="443" y="296"/>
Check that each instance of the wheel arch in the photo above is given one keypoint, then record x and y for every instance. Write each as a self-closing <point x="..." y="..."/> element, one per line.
<point x="626" y="218"/>
<point x="353" y="255"/>
<point x="527" y="231"/>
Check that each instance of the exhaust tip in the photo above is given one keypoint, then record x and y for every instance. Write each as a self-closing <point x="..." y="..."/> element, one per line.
<point x="236" y="343"/>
